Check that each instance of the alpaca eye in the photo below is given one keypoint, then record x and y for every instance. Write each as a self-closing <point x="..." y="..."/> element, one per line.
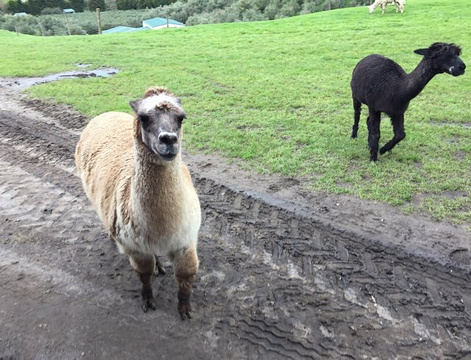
<point x="144" y="118"/>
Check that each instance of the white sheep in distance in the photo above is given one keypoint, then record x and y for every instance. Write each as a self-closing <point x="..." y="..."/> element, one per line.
<point x="133" y="174"/>
<point x="383" y="3"/>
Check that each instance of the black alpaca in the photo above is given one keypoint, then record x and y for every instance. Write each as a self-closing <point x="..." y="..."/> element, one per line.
<point x="384" y="86"/>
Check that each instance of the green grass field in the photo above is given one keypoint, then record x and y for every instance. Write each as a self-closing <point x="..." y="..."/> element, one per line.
<point x="276" y="96"/>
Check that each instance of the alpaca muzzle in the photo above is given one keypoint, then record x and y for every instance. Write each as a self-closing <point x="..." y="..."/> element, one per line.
<point x="167" y="147"/>
<point x="457" y="70"/>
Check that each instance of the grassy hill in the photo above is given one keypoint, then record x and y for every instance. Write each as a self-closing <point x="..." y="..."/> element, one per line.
<point x="276" y="95"/>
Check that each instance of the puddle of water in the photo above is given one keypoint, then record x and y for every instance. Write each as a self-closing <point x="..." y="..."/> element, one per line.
<point x="19" y="84"/>
<point x="465" y="125"/>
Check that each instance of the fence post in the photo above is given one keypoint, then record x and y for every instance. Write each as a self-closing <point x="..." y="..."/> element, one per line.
<point x="68" y="25"/>
<point x="98" y="19"/>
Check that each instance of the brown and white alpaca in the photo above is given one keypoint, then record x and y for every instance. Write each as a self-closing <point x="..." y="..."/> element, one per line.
<point x="133" y="174"/>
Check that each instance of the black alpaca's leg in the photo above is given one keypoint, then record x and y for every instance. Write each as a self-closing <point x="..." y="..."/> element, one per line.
<point x="373" y="122"/>
<point x="356" y="118"/>
<point x="399" y="134"/>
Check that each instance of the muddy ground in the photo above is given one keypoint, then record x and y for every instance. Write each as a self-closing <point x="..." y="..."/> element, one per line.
<point x="285" y="273"/>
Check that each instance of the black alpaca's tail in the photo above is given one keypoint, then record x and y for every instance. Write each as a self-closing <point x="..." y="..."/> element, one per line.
<point x="357" y="109"/>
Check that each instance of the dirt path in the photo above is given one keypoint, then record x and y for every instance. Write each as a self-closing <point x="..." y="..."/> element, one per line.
<point x="285" y="274"/>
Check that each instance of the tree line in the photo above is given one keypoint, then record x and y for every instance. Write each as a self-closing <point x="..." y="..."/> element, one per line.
<point x="46" y="7"/>
<point x="192" y="12"/>
<point x="189" y="12"/>
<point x="36" y="7"/>
<point x="198" y="11"/>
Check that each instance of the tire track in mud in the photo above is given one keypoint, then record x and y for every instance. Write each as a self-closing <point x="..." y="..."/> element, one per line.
<point x="273" y="285"/>
<point x="377" y="289"/>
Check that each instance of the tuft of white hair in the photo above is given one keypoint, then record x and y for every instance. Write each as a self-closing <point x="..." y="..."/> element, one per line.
<point x="158" y="101"/>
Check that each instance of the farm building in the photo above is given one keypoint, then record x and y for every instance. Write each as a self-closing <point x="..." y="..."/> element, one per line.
<point x="150" y="24"/>
<point x="160" y="23"/>
<point x="123" y="29"/>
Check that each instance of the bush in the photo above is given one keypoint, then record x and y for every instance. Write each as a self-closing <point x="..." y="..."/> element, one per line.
<point x="77" y="30"/>
<point x="96" y="4"/>
<point x="50" y="11"/>
<point x="288" y="9"/>
<point x="90" y="27"/>
<point x="252" y="15"/>
<point x="22" y="24"/>
<point x="28" y="29"/>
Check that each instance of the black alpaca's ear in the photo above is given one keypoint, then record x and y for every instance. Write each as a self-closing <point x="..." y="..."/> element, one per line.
<point x="422" y="52"/>
<point x="135" y="105"/>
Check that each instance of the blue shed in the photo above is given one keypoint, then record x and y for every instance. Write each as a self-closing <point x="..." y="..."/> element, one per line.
<point x="123" y="29"/>
<point x="160" y="23"/>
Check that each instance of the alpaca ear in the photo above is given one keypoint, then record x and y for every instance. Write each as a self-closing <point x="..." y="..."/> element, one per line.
<point x="135" y="105"/>
<point x="421" y="51"/>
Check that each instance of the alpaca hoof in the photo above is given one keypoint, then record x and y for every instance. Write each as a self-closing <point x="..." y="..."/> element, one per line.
<point x="147" y="300"/>
<point x="185" y="311"/>
<point x="148" y="304"/>
<point x="188" y="314"/>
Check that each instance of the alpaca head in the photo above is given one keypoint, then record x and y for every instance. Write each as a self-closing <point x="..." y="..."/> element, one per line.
<point x="444" y="58"/>
<point x="160" y="118"/>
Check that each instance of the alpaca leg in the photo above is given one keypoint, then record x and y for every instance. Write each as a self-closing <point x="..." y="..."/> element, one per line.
<point x="357" y="110"/>
<point x="185" y="265"/>
<point x="399" y="134"/>
<point x="373" y="122"/>
<point x="144" y="265"/>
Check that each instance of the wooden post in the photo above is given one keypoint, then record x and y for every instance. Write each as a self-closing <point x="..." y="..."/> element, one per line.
<point x="68" y="25"/>
<point x="98" y="19"/>
<point x="167" y="19"/>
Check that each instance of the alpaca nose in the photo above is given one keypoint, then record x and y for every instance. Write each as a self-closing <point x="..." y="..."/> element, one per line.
<point x="168" y="138"/>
